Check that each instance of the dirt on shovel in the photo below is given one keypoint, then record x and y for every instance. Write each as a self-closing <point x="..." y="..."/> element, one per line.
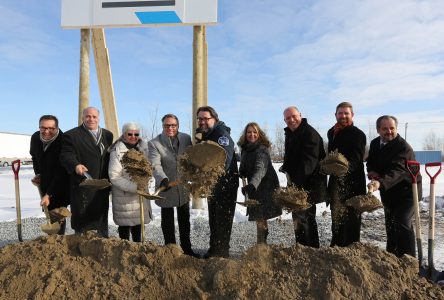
<point x="292" y="199"/>
<point x="364" y="203"/>
<point x="49" y="228"/>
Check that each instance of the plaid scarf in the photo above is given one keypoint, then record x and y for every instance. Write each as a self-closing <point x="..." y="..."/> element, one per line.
<point x="47" y="143"/>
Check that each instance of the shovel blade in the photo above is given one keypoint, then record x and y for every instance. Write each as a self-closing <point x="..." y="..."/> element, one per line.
<point x="95" y="183"/>
<point x="50" y="229"/>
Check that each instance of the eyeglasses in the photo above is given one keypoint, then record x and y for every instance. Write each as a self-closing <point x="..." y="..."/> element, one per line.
<point x="204" y="119"/>
<point x="43" y="129"/>
<point x="169" y="125"/>
<point x="132" y="134"/>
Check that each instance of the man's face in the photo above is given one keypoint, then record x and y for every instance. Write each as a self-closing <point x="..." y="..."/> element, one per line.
<point x="205" y="121"/>
<point x="48" y="129"/>
<point x="170" y="127"/>
<point x="387" y="131"/>
<point x="292" y="118"/>
<point x="91" y="118"/>
<point x="344" y="116"/>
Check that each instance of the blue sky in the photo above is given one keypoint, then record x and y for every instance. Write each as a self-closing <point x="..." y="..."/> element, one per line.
<point x="386" y="57"/>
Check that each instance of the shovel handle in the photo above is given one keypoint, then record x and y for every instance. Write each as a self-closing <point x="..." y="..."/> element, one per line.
<point x="413" y="167"/>
<point x="15" y="168"/>
<point x="433" y="164"/>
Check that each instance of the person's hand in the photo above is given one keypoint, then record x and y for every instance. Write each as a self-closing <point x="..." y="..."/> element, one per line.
<point x="249" y="189"/>
<point x="165" y="183"/>
<point x="373" y="186"/>
<point x="80" y="169"/>
<point x="36" y="180"/>
<point x="45" y="200"/>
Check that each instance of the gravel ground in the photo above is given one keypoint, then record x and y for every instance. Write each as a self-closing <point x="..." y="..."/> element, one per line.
<point x="242" y="238"/>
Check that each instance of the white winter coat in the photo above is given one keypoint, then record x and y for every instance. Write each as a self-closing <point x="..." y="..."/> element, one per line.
<point x="125" y="201"/>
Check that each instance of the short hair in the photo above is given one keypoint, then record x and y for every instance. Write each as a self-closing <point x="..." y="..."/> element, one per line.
<point x="130" y="126"/>
<point x="385" y="117"/>
<point x="90" y="107"/>
<point x="290" y="107"/>
<point x="209" y="109"/>
<point x="50" y="117"/>
<point x="170" y="116"/>
<point x="344" y="105"/>
<point x="262" y="136"/>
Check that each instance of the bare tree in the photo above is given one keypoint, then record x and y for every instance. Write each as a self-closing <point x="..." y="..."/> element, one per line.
<point x="278" y="148"/>
<point x="433" y="142"/>
<point x="153" y="123"/>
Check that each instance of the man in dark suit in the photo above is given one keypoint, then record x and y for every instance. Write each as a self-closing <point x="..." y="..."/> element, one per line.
<point x="84" y="149"/>
<point x="50" y="177"/>
<point x="350" y="141"/>
<point x="304" y="148"/>
<point x="386" y="167"/>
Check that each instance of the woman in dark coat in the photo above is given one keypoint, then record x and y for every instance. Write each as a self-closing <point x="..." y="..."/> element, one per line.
<point x="262" y="179"/>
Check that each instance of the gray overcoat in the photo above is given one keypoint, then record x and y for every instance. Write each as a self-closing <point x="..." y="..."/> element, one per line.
<point x="164" y="161"/>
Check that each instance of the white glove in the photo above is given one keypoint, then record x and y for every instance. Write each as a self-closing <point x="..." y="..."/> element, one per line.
<point x="373" y="186"/>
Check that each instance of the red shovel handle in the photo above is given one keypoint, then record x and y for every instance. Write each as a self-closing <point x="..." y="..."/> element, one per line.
<point x="433" y="164"/>
<point x="413" y="166"/>
<point x="15" y="168"/>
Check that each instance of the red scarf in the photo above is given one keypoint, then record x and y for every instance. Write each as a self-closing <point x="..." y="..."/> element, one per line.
<point x="338" y="127"/>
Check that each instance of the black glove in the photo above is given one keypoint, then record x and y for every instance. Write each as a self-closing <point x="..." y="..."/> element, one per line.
<point x="165" y="184"/>
<point x="249" y="189"/>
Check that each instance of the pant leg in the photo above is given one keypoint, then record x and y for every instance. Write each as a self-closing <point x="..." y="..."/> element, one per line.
<point x="183" y="218"/>
<point x="346" y="225"/>
<point x="390" y="229"/>
<point x="404" y="234"/>
<point x="124" y="232"/>
<point x="212" y="222"/>
<point x="136" y="233"/>
<point x="167" y="224"/>
<point x="306" y="228"/>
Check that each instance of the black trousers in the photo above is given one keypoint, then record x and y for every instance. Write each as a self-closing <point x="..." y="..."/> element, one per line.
<point x="183" y="220"/>
<point x="399" y="213"/>
<point x="345" y="225"/>
<point x="136" y="232"/>
<point x="221" y="207"/>
<point x="306" y="228"/>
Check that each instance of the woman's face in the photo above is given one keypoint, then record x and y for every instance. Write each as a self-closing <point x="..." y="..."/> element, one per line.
<point x="252" y="134"/>
<point x="131" y="137"/>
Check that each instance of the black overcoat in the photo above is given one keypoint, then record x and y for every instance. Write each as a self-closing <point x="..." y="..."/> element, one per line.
<point x="350" y="141"/>
<point x="257" y="167"/>
<point x="304" y="149"/>
<point x="54" y="179"/>
<point x="89" y="206"/>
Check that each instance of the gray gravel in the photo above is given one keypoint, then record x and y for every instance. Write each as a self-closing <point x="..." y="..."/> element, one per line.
<point x="243" y="234"/>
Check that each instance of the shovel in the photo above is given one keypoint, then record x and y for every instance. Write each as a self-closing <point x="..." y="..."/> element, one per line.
<point x="247" y="202"/>
<point x="155" y="195"/>
<point x="15" y="169"/>
<point x="413" y="167"/>
<point x="94" y="183"/>
<point x="432" y="272"/>
<point x="49" y="228"/>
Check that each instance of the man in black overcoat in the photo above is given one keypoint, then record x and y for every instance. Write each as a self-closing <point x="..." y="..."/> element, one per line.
<point x="304" y="148"/>
<point x="350" y="141"/>
<point x="50" y="177"/>
<point x="84" y="149"/>
<point x="386" y="167"/>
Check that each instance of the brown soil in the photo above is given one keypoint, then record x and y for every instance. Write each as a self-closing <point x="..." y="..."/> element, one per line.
<point x="76" y="267"/>
<point x="138" y="168"/>
<point x="291" y="198"/>
<point x="200" y="167"/>
<point x="364" y="203"/>
<point x="334" y="164"/>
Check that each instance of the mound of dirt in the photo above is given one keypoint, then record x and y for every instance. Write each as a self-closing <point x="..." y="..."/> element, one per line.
<point x="87" y="267"/>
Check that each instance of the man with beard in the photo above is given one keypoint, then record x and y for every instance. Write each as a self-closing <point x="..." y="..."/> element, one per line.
<point x="222" y="202"/>
<point x="350" y="141"/>
<point x="304" y="148"/>
<point x="84" y="149"/>
<point x="386" y="166"/>
<point x="50" y="177"/>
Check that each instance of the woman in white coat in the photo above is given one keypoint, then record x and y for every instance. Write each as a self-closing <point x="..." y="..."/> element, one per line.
<point x="125" y="201"/>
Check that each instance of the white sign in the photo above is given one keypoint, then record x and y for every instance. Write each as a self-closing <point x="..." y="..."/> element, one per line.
<point x="137" y="13"/>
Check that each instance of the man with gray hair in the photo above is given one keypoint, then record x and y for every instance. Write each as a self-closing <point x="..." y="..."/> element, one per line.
<point x="386" y="167"/>
<point x="163" y="154"/>
<point x="84" y="149"/>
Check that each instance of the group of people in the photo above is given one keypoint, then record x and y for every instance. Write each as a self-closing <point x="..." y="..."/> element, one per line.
<point x="62" y="160"/>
